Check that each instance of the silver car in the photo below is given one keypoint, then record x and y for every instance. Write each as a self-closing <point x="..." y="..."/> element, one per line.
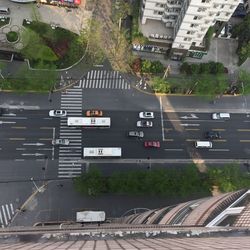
<point x="138" y="134"/>
<point x="60" y="142"/>
<point x="144" y="124"/>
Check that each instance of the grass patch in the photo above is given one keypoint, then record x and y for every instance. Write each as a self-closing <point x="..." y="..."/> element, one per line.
<point x="12" y="36"/>
<point x="60" y="47"/>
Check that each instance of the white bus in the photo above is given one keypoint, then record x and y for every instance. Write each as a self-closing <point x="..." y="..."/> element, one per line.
<point x="102" y="152"/>
<point x="90" y="122"/>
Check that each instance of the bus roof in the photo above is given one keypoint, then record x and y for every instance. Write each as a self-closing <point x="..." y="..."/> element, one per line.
<point x="90" y="216"/>
<point x="99" y="152"/>
<point x="89" y="121"/>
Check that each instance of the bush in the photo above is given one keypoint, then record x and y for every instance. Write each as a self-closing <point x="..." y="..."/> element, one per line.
<point x="160" y="85"/>
<point x="12" y="36"/>
<point x="152" y="67"/>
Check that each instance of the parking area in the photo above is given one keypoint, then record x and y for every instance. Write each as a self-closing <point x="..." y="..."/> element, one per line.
<point x="71" y="19"/>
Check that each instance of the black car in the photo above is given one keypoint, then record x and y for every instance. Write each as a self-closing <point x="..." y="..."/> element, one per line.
<point x="212" y="135"/>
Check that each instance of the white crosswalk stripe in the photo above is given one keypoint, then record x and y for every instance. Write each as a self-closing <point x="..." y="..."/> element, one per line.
<point x="69" y="155"/>
<point x="103" y="79"/>
<point x="6" y="214"/>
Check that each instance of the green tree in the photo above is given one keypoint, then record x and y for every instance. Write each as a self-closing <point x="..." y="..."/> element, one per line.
<point x="91" y="183"/>
<point x="160" y="85"/>
<point x="244" y="51"/>
<point x="244" y="79"/>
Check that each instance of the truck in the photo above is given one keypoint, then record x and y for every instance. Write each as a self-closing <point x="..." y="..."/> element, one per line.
<point x="90" y="216"/>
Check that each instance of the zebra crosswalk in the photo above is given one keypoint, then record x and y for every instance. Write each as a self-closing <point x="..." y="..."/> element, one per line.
<point x="6" y="213"/>
<point x="103" y="79"/>
<point x="69" y="155"/>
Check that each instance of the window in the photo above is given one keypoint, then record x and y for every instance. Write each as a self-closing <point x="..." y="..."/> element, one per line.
<point x="195" y="17"/>
<point x="158" y="12"/>
<point x="159" y="5"/>
<point x="222" y="6"/>
<point x="201" y="9"/>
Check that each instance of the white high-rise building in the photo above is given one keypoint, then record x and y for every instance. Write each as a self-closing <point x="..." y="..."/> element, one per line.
<point x="182" y="24"/>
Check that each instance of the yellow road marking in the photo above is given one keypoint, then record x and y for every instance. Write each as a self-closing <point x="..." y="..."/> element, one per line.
<point x="168" y="139"/>
<point x="46" y="127"/>
<point x="192" y="129"/>
<point x="218" y="129"/>
<point x="244" y="140"/>
<point x="17" y="139"/>
<point x="220" y="140"/>
<point x="19" y="127"/>
<point x="44" y="139"/>
<point x="243" y="130"/>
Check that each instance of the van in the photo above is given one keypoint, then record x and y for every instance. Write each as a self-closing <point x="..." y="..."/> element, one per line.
<point x="4" y="10"/>
<point x="220" y="116"/>
<point x="203" y="144"/>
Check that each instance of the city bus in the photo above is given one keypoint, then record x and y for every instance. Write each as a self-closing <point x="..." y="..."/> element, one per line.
<point x="90" y="122"/>
<point x="102" y="152"/>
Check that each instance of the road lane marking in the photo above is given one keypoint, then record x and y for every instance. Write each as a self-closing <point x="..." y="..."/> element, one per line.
<point x="168" y="139"/>
<point x="53" y="148"/>
<point x="45" y="139"/>
<point x="218" y="129"/>
<point x="220" y="140"/>
<point x="244" y="140"/>
<point x="20" y="148"/>
<point x="219" y="150"/>
<point x="2" y="122"/>
<point x="44" y="149"/>
<point x="173" y="149"/>
<point x="16" y="127"/>
<point x="162" y="123"/>
<point x="46" y="127"/>
<point x="17" y="139"/>
<point x="192" y="140"/>
<point x="17" y="118"/>
<point x="243" y="130"/>
<point x="47" y="118"/>
<point x="19" y="159"/>
<point x="33" y="144"/>
<point x="190" y="124"/>
<point x="192" y="129"/>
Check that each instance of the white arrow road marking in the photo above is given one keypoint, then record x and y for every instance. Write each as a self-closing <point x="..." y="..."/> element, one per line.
<point x="36" y="154"/>
<point x="186" y="124"/>
<point x="34" y="144"/>
<point x="192" y="116"/>
<point x="2" y="122"/>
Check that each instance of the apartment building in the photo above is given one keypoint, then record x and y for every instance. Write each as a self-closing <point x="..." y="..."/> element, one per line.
<point x="181" y="25"/>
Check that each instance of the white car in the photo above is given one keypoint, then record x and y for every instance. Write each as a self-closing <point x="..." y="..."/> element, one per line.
<point x="146" y="115"/>
<point x="60" y="142"/>
<point x="57" y="113"/>
<point x="144" y="124"/>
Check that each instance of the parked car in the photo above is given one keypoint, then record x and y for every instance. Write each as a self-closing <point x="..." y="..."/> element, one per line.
<point x="138" y="134"/>
<point x="57" y="113"/>
<point x="146" y="115"/>
<point x="212" y="135"/>
<point x="60" y="142"/>
<point x="94" y="113"/>
<point x="144" y="124"/>
<point x="152" y="144"/>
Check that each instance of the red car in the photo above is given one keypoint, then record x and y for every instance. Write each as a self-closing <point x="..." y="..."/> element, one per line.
<point x="152" y="144"/>
<point x="94" y="113"/>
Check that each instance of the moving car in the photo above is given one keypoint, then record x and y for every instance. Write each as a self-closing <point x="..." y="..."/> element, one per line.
<point x="146" y="115"/>
<point x="203" y="144"/>
<point x="60" y="142"/>
<point x="152" y="144"/>
<point x="212" y="135"/>
<point x="220" y="116"/>
<point x="138" y="134"/>
<point x="144" y="124"/>
<point x="57" y="113"/>
<point x="94" y="113"/>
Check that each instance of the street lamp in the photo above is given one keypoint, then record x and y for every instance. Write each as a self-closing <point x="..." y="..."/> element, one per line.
<point x="32" y="179"/>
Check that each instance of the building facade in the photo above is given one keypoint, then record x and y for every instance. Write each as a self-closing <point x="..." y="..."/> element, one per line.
<point x="183" y="24"/>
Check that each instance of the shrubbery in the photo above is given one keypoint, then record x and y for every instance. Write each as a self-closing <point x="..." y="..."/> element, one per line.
<point x="202" y="68"/>
<point x="152" y="67"/>
<point x="169" y="182"/>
